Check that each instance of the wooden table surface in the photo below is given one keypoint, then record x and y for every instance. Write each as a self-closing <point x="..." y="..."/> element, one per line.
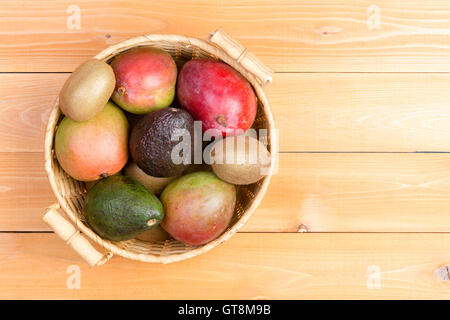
<point x="360" y="206"/>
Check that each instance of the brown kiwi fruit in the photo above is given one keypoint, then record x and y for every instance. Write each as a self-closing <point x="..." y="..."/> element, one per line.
<point x="155" y="184"/>
<point x="155" y="234"/>
<point x="87" y="90"/>
<point x="240" y="161"/>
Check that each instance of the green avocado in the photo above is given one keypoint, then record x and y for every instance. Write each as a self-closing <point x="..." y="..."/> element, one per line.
<point x="120" y="208"/>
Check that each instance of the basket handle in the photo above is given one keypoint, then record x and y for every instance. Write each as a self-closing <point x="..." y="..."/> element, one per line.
<point x="67" y="232"/>
<point x="239" y="53"/>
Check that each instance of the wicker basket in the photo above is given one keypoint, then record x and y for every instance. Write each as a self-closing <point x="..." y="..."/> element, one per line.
<point x="71" y="193"/>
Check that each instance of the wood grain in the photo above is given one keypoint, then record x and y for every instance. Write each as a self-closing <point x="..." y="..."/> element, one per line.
<point x="361" y="112"/>
<point x="248" y="266"/>
<point x="314" y="192"/>
<point x="313" y="112"/>
<point x="357" y="193"/>
<point x="24" y="108"/>
<point x="412" y="36"/>
<point x="363" y="88"/>
<point x="24" y="192"/>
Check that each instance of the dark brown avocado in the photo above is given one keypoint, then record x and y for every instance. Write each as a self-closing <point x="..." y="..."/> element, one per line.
<point x="151" y="142"/>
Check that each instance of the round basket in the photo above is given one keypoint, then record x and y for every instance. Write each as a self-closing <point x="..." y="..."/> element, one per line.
<point x="71" y="193"/>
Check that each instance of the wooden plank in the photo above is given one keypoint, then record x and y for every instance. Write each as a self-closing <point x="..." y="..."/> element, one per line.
<point x="361" y="112"/>
<point x="376" y="35"/>
<point x="314" y="192"/>
<point x="24" y="192"/>
<point x="357" y="193"/>
<point x="24" y="108"/>
<point x="313" y="112"/>
<point x="248" y="266"/>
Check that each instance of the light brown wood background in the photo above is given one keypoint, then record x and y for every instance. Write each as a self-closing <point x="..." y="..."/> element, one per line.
<point x="363" y="111"/>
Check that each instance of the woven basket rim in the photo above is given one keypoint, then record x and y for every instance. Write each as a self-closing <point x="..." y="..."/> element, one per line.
<point x="108" y="53"/>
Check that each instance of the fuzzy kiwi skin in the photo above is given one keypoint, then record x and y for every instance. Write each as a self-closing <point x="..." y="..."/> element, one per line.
<point x="87" y="90"/>
<point x="155" y="234"/>
<point x="154" y="184"/>
<point x="244" y="172"/>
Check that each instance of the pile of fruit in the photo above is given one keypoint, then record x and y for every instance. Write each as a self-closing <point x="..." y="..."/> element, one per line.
<point x="128" y="132"/>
